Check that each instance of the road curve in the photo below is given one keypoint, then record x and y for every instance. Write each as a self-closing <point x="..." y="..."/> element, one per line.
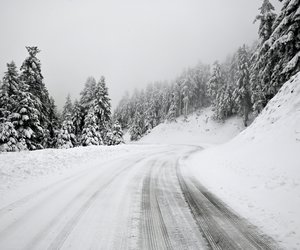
<point x="142" y="201"/>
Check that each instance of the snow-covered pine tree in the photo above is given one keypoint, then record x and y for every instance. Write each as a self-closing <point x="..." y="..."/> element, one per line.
<point x="68" y="108"/>
<point x="172" y="113"/>
<point x="31" y="75"/>
<point x="21" y="113"/>
<point x="66" y="137"/>
<point x="137" y="128"/>
<point x="215" y="82"/>
<point x="9" y="92"/>
<point x="224" y="102"/>
<point x="259" y="59"/>
<point x="77" y="118"/>
<point x="199" y="77"/>
<point x="53" y="125"/>
<point x="185" y="100"/>
<point x="166" y="101"/>
<point x="117" y="134"/>
<point x="102" y="108"/>
<point x="278" y="58"/>
<point x="266" y="18"/>
<point x="26" y="120"/>
<point x="105" y="101"/>
<point x="121" y="113"/>
<point x="150" y="108"/>
<point x="88" y="95"/>
<point x="90" y="133"/>
<point x="242" y="94"/>
<point x="110" y="138"/>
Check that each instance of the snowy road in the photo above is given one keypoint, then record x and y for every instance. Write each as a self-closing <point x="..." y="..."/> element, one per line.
<point x="146" y="200"/>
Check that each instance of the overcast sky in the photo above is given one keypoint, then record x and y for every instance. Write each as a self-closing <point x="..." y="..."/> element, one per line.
<point x="130" y="42"/>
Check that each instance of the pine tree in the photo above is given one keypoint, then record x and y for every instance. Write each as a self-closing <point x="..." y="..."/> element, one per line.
<point x="117" y="134"/>
<point x="122" y="111"/>
<point x="185" y="100"/>
<point x="215" y="82"/>
<point x="105" y="101"/>
<point x="88" y="94"/>
<point x="173" y="109"/>
<point x="266" y="18"/>
<point x="224" y="102"/>
<point x="68" y="107"/>
<point x="9" y="92"/>
<point x="20" y="114"/>
<point x="278" y="58"/>
<point x="26" y="120"/>
<point x="32" y="77"/>
<point x="135" y="130"/>
<point x="77" y="118"/>
<point x="66" y="137"/>
<point x="199" y="78"/>
<point x="259" y="93"/>
<point x="138" y="125"/>
<point x="53" y="124"/>
<point x="90" y="133"/>
<point x="242" y="92"/>
<point x="102" y="108"/>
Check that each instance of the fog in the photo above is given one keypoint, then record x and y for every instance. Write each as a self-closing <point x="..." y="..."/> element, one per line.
<point x="131" y="42"/>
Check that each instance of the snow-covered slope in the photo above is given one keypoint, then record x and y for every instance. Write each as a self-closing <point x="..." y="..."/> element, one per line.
<point x="258" y="172"/>
<point x="198" y="129"/>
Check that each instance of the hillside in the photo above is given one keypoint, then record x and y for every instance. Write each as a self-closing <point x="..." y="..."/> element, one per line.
<point x="257" y="172"/>
<point x="199" y="129"/>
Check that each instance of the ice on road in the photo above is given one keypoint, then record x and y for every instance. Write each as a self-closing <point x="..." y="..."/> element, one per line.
<point x="140" y="200"/>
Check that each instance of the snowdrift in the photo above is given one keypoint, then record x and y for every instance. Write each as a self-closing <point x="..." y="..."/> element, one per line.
<point x="19" y="169"/>
<point x="258" y="172"/>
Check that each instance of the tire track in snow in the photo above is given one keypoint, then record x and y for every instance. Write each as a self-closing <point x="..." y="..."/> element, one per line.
<point x="182" y="227"/>
<point x="250" y="232"/>
<point x="153" y="230"/>
<point x="221" y="228"/>
<point x="70" y="225"/>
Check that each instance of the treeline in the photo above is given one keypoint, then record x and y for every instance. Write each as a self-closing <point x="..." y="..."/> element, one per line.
<point x="243" y="83"/>
<point x="29" y="119"/>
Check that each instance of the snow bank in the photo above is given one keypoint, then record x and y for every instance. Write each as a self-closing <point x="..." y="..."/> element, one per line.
<point x="199" y="129"/>
<point x="29" y="166"/>
<point x="258" y="172"/>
